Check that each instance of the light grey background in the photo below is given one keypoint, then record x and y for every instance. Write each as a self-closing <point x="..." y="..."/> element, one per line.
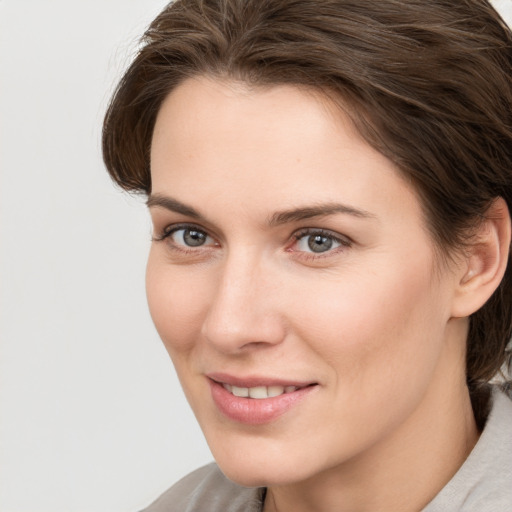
<point x="91" y="415"/>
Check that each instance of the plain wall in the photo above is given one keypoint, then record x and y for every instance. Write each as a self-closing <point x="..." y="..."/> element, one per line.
<point x="92" y="418"/>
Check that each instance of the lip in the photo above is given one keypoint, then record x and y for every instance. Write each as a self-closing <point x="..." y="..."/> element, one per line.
<point x="252" y="411"/>
<point x="252" y="381"/>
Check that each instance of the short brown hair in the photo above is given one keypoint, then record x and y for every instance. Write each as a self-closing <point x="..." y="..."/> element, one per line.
<point x="426" y="82"/>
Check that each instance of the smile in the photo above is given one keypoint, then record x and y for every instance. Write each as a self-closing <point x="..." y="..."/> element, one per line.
<point x="253" y="401"/>
<point x="259" y="392"/>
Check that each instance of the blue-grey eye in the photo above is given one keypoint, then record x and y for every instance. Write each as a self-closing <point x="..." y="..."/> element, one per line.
<point x="317" y="243"/>
<point x="190" y="237"/>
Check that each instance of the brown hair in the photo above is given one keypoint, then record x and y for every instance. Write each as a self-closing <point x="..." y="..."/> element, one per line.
<point x="428" y="83"/>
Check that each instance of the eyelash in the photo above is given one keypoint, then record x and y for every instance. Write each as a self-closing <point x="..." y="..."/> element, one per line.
<point x="343" y="241"/>
<point x="170" y="230"/>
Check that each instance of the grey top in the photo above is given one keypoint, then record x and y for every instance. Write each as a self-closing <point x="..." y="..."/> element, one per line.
<point x="482" y="484"/>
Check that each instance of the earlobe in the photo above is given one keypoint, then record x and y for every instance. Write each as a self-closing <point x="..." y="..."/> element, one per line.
<point x="484" y="262"/>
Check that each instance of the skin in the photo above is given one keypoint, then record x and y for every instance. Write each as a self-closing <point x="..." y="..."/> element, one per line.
<point x="377" y="321"/>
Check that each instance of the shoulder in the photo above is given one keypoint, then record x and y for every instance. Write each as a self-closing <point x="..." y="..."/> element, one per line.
<point x="208" y="490"/>
<point x="484" y="482"/>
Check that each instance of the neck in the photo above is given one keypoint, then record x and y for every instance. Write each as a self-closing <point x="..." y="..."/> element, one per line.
<point x="405" y="470"/>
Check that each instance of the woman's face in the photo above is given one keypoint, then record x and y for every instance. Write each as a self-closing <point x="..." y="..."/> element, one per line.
<point x="292" y="263"/>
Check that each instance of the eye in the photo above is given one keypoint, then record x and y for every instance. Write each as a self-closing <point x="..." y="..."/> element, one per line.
<point x="319" y="241"/>
<point x="190" y="237"/>
<point x="186" y="237"/>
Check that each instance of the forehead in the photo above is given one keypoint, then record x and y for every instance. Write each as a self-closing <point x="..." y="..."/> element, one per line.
<point x="267" y="148"/>
<point x="237" y="110"/>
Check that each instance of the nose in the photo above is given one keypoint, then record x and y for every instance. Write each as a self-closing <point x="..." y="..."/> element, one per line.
<point x="243" y="313"/>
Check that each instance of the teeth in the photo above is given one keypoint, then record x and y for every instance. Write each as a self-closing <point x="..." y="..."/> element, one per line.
<point x="259" y="392"/>
<point x="243" y="392"/>
<point x="275" y="390"/>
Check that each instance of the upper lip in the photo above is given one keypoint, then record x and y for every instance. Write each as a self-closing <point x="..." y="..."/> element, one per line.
<point x="251" y="381"/>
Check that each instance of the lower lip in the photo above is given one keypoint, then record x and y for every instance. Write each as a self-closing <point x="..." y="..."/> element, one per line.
<point x="254" y="411"/>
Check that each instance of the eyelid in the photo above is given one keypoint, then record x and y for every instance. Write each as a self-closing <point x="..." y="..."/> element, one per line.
<point x="344" y="241"/>
<point x="322" y="231"/>
<point x="170" y="229"/>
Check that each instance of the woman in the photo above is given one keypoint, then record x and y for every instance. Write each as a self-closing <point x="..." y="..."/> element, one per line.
<point x="329" y="184"/>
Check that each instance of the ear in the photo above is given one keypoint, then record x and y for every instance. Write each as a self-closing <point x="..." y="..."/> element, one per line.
<point x="484" y="262"/>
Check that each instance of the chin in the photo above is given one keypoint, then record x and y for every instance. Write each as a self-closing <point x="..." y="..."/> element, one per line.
<point x="265" y="465"/>
<point x="250" y="474"/>
<point x="246" y="477"/>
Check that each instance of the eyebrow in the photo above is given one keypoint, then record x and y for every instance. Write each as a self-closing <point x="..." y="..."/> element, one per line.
<point x="278" y="218"/>
<point x="173" y="205"/>
<point x="321" y="210"/>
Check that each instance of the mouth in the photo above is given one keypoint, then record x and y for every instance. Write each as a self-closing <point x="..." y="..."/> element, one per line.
<point x="261" y="392"/>
<point x="255" y="401"/>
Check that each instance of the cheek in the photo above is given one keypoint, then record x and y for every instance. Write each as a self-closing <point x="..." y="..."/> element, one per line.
<point x="372" y="326"/>
<point x="177" y="299"/>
